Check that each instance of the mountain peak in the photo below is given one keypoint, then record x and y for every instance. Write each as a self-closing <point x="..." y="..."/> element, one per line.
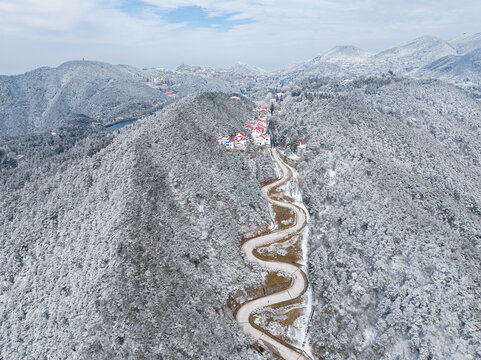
<point x="344" y="54"/>
<point x="415" y="53"/>
<point x="246" y="69"/>
<point x="466" y="43"/>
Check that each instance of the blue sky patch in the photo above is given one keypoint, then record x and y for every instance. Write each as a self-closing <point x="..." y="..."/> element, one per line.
<point x="135" y="7"/>
<point x="198" y="17"/>
<point x="192" y="16"/>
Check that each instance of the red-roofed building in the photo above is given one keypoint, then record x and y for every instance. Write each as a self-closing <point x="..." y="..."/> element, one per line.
<point x="261" y="129"/>
<point x="263" y="140"/>
<point x="222" y="139"/>
<point x="240" y="135"/>
<point x="240" y="139"/>
<point x="263" y="109"/>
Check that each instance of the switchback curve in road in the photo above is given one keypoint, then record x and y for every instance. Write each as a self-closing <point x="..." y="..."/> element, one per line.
<point x="299" y="279"/>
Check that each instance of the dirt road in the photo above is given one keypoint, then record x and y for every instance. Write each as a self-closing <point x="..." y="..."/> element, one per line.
<point x="299" y="279"/>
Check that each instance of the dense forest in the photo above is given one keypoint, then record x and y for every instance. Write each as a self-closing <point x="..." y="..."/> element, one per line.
<point x="126" y="243"/>
<point x="114" y="246"/>
<point x="391" y="180"/>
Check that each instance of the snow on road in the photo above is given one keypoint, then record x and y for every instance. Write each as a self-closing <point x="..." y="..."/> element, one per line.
<point x="299" y="279"/>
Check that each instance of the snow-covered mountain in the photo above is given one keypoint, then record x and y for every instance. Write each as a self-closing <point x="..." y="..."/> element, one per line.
<point x="461" y="70"/>
<point x="412" y="55"/>
<point x="390" y="178"/>
<point x="345" y="56"/>
<point x="402" y="59"/>
<point x="246" y="69"/>
<point x="43" y="99"/>
<point x="424" y="57"/>
<point x="459" y="67"/>
<point x="97" y="92"/>
<point x="126" y="244"/>
<point x="466" y="43"/>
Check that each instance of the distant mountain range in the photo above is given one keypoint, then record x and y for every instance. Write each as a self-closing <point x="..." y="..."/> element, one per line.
<point x="466" y="43"/>
<point x="84" y="91"/>
<point x="342" y="55"/>
<point x="406" y="59"/>
<point x="455" y="61"/>
<point x="456" y="68"/>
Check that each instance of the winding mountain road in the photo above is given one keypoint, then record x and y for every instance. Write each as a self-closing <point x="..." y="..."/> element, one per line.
<point x="299" y="279"/>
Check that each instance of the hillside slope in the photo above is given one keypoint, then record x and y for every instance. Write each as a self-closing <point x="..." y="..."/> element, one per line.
<point x="466" y="43"/>
<point x="345" y="56"/>
<point x="464" y="71"/>
<point x="391" y="180"/>
<point x="412" y="55"/>
<point x="42" y="99"/>
<point x="126" y="245"/>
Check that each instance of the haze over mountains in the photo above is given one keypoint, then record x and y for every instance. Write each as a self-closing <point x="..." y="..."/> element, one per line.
<point x="40" y="99"/>
<point x="416" y="58"/>
<point x="44" y="98"/>
<point x="126" y="243"/>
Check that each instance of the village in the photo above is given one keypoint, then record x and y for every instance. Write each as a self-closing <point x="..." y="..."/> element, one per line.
<point x="255" y="132"/>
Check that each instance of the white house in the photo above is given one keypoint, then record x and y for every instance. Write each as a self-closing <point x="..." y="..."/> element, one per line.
<point x="261" y="140"/>
<point x="222" y="139"/>
<point x="302" y="144"/>
<point x="240" y="139"/>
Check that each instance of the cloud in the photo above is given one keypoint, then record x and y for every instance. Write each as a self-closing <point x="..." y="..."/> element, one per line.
<point x="192" y="16"/>
<point x="211" y="32"/>
<point x="197" y="17"/>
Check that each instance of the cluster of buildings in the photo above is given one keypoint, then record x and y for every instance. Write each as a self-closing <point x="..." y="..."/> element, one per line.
<point x="239" y="141"/>
<point x="255" y="132"/>
<point x="258" y="127"/>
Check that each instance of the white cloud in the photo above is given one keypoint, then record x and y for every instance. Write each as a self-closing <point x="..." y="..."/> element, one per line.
<point x="36" y="32"/>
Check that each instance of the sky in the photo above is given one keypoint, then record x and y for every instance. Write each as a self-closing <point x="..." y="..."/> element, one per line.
<point x="164" y="33"/>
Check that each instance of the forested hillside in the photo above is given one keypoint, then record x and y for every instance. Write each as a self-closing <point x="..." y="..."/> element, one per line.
<point x="45" y="98"/>
<point x="391" y="179"/>
<point x="126" y="244"/>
